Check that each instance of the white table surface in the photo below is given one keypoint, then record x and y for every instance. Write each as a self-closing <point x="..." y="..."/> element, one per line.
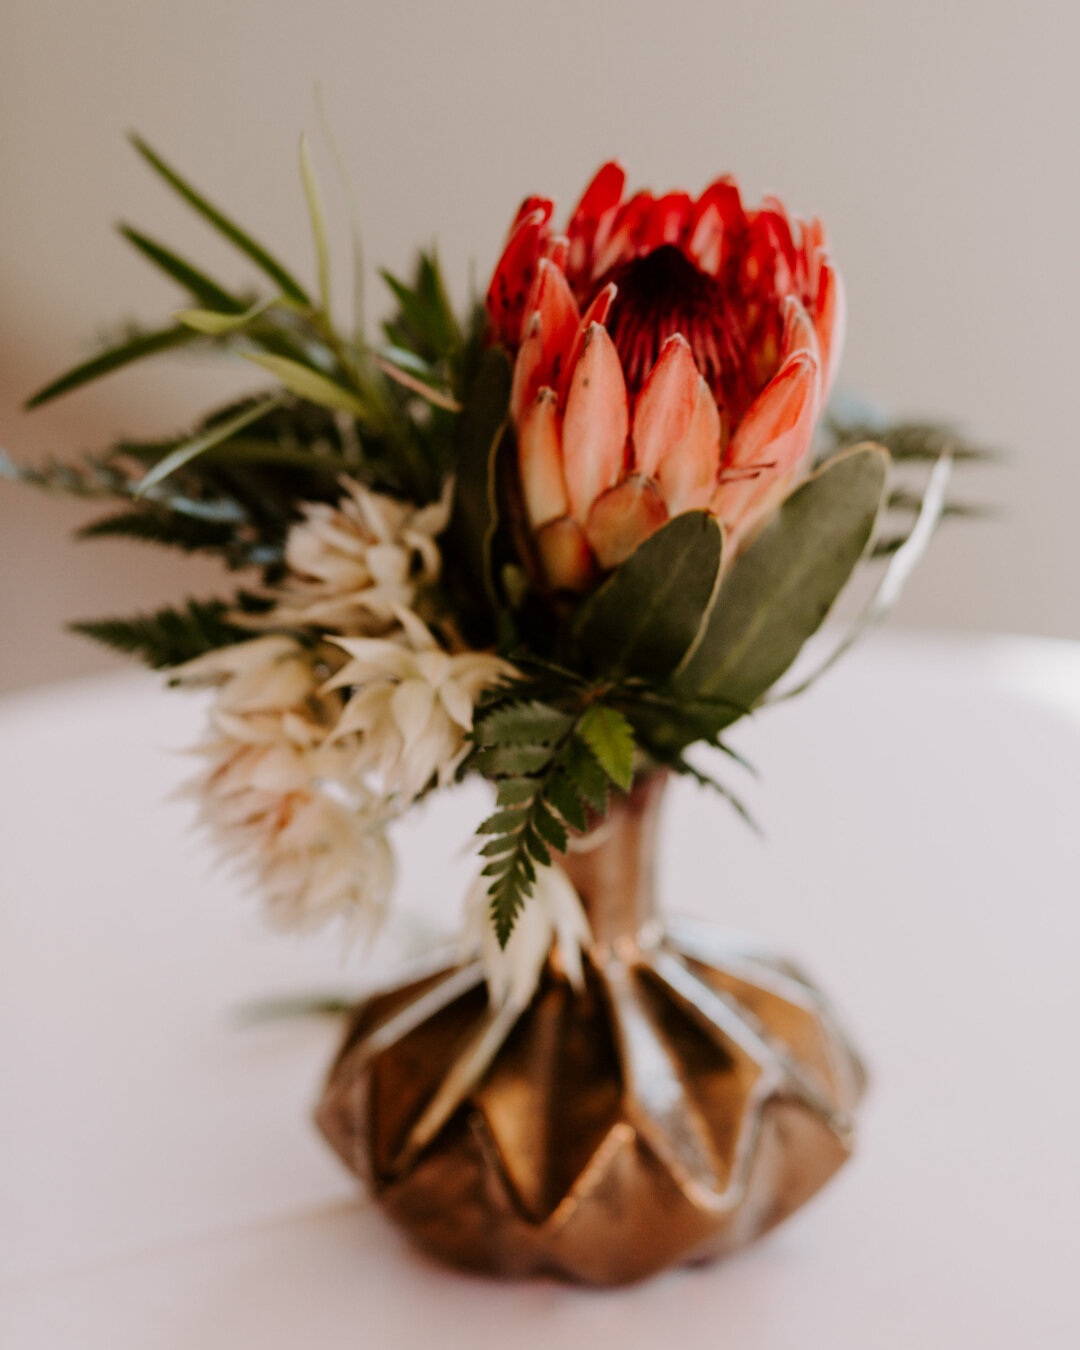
<point x="161" y="1185"/>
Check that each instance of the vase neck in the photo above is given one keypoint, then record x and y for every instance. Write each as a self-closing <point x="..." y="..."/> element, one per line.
<point x="613" y="865"/>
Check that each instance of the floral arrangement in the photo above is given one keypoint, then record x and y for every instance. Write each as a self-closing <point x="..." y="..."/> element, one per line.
<point x="555" y="542"/>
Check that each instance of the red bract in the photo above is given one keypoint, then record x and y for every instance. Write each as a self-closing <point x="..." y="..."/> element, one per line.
<point x="669" y="355"/>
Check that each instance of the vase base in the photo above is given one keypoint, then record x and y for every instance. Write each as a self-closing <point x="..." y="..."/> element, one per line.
<point x="695" y="1094"/>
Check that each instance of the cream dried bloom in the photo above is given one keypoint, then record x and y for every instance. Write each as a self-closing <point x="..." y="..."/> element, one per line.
<point x="272" y="790"/>
<point x="354" y="563"/>
<point x="411" y="705"/>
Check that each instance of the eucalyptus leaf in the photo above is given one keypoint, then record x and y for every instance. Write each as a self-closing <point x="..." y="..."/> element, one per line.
<point x="932" y="509"/>
<point x="780" y="590"/>
<point x="307" y="383"/>
<point x="236" y="236"/>
<point x="644" y="618"/>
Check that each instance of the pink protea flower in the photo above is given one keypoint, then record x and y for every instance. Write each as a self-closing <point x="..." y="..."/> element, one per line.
<point x="669" y="355"/>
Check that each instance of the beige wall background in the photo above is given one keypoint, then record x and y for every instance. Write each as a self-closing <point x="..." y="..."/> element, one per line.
<point x="938" y="140"/>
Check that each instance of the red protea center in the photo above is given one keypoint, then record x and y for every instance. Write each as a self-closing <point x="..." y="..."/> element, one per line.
<point x="663" y="293"/>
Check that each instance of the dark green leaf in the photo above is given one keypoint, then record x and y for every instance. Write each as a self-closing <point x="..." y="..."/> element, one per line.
<point x="586" y="774"/>
<point x="205" y="290"/>
<point x="551" y="830"/>
<point x="780" y="590"/>
<point x="503" y="821"/>
<point x="522" y="724"/>
<point x="512" y="791"/>
<point x="644" y="618"/>
<point x="512" y="760"/>
<point x="134" y="349"/>
<point x="223" y="225"/>
<point x="564" y="796"/>
<point x="162" y="527"/>
<point x="168" y="637"/>
<point x="481" y="427"/>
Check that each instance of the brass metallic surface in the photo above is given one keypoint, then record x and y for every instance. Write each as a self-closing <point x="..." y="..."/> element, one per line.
<point x="695" y="1094"/>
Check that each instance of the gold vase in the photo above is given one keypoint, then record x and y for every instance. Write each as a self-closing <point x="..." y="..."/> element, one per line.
<point x="695" y="1093"/>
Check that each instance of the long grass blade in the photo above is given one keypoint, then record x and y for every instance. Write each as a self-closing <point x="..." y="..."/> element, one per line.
<point x="183" y="454"/>
<point x="202" y="287"/>
<point x="135" y="349"/>
<point x="238" y="237"/>
<point x="318" y="222"/>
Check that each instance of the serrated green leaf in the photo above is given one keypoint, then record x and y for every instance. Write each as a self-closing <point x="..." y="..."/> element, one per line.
<point x="124" y="354"/>
<point x="531" y="723"/>
<point x="645" y="617"/>
<point x="512" y="791"/>
<point x="536" y="847"/>
<point x="318" y="222"/>
<point x="236" y="236"/>
<point x="552" y="831"/>
<point x="610" y="737"/>
<point x="586" y="774"/>
<point x="187" y="451"/>
<point x="168" y="637"/>
<point x="780" y="590"/>
<point x="511" y="760"/>
<point x="565" y="798"/>
<point x="202" y="287"/>
<point x="168" y="528"/>
<point x="307" y="383"/>
<point x="503" y="821"/>
<point x="503" y="844"/>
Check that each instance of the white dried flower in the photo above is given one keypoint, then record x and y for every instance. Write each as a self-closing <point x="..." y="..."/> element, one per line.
<point x="553" y="914"/>
<point x="271" y="793"/>
<point x="411" y="706"/>
<point x="355" y="562"/>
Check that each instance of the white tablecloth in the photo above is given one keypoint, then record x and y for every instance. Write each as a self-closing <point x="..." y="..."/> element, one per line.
<point x="161" y="1185"/>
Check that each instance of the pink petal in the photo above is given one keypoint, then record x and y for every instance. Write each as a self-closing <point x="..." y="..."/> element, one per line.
<point x="557" y="250"/>
<point x="590" y="225"/>
<point x="602" y="195"/>
<point x="559" y="319"/>
<point x="531" y="204"/>
<point x="540" y="461"/>
<point x="565" y="555"/>
<point x="528" y="369"/>
<point x="627" y="237"/>
<point x="705" y="243"/>
<point x="667" y="219"/>
<point x="799" y="333"/>
<point x="596" y="422"/>
<point x="687" y="474"/>
<point x="622" y="518"/>
<point x="771" y="439"/>
<point x="665" y="405"/>
<point x="514" y="277"/>
<point x="830" y="321"/>
<point x="596" y="313"/>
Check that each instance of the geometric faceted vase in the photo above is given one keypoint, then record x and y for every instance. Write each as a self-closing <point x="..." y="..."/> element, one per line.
<point x="690" y="1097"/>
